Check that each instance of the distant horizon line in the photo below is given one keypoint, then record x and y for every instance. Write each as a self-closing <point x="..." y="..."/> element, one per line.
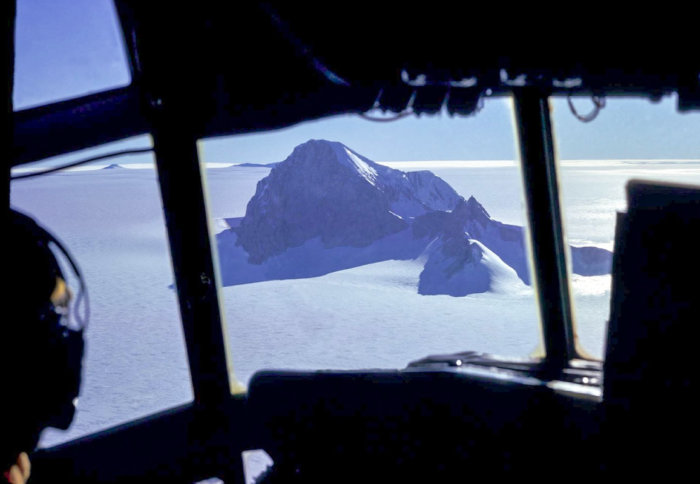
<point x="404" y="164"/>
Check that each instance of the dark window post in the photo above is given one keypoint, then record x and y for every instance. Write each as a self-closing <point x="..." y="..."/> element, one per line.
<point x="185" y="211"/>
<point x="545" y="224"/>
<point x="8" y="44"/>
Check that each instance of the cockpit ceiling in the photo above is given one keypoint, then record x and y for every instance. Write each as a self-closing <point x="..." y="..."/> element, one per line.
<point x="268" y="47"/>
<point x="235" y="67"/>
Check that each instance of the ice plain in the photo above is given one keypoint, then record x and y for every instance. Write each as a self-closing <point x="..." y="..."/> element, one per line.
<point x="366" y="317"/>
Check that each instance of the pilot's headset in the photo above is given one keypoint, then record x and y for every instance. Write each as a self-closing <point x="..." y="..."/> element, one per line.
<point x="42" y="345"/>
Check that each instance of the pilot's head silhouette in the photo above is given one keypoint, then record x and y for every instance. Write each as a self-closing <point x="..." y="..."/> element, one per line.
<point x="42" y="344"/>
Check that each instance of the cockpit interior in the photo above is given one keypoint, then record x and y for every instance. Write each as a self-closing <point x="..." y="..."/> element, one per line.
<point x="209" y="70"/>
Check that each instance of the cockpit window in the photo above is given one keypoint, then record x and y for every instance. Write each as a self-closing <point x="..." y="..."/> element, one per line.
<point x="66" y="49"/>
<point x="629" y="139"/>
<point x="109" y="215"/>
<point x="349" y="244"/>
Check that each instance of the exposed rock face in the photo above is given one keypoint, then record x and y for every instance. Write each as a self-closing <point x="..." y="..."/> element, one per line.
<point x="464" y="263"/>
<point x="324" y="189"/>
<point x="590" y="261"/>
<point x="459" y="266"/>
<point x="506" y="241"/>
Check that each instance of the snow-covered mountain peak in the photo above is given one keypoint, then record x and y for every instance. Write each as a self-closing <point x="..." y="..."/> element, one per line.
<point x="320" y="154"/>
<point x="327" y="208"/>
<point x="324" y="189"/>
<point x="475" y="210"/>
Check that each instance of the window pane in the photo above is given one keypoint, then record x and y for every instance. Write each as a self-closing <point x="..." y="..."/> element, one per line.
<point x="112" y="222"/>
<point x="345" y="255"/>
<point x="630" y="139"/>
<point x="65" y="49"/>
